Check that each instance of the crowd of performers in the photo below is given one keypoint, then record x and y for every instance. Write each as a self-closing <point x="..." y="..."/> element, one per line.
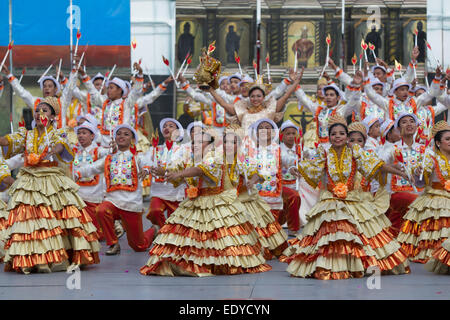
<point x="375" y="193"/>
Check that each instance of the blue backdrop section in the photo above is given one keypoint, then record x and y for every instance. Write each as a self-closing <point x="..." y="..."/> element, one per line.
<point x="4" y="23"/>
<point x="45" y="22"/>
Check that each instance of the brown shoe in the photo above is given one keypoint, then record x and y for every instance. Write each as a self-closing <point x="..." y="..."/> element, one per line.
<point x="113" y="250"/>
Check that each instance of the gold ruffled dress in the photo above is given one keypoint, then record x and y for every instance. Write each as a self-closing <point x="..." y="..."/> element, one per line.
<point x="440" y="259"/>
<point x="209" y="234"/>
<point x="47" y="226"/>
<point x="427" y="223"/>
<point x="345" y="233"/>
<point x="271" y="235"/>
<point x="4" y="172"/>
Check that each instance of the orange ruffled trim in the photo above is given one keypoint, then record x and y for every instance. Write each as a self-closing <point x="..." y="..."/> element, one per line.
<point x="212" y="269"/>
<point x="412" y="250"/>
<point x="84" y="257"/>
<point x="380" y="240"/>
<point x="268" y="231"/>
<point x="324" y="274"/>
<point x="395" y="259"/>
<point x="26" y="212"/>
<point x="28" y="261"/>
<point x="329" y="228"/>
<point x="340" y="247"/>
<point x="41" y="234"/>
<point x="168" y="249"/>
<point x="435" y="225"/>
<point x="186" y="232"/>
<point x="442" y="255"/>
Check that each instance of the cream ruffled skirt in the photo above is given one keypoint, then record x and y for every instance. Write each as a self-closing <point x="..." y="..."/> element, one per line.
<point x="47" y="225"/>
<point x="271" y="235"/>
<point x="440" y="260"/>
<point x="426" y="224"/>
<point x="345" y="237"/>
<point x="3" y="221"/>
<point x="209" y="235"/>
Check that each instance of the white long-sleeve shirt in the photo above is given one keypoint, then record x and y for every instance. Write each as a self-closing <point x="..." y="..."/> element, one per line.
<point x="91" y="188"/>
<point x="122" y="174"/>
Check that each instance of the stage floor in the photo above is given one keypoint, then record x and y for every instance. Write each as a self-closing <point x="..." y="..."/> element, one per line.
<point x="118" y="277"/>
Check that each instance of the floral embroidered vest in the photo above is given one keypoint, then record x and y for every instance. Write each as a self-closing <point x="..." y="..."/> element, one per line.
<point x="121" y="172"/>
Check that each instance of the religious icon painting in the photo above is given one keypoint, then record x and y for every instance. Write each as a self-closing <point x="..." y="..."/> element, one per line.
<point x="410" y="28"/>
<point x="234" y="37"/>
<point x="302" y="39"/>
<point x="189" y="40"/>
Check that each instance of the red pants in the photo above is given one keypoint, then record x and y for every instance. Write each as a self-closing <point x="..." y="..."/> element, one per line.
<point x="290" y="212"/>
<point x="157" y="208"/>
<point x="91" y="210"/>
<point x="132" y="223"/>
<point x="400" y="202"/>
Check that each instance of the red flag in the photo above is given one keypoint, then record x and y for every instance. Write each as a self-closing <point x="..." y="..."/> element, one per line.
<point x="428" y="45"/>
<point x="267" y="58"/>
<point x="416" y="32"/>
<point x="371" y="46"/>
<point x="254" y="64"/>
<point x="23" y="70"/>
<point x="354" y="59"/>
<point x="237" y="58"/>
<point x="134" y="43"/>
<point x="363" y="44"/>
<point x="316" y="144"/>
<point x="166" y="62"/>
<point x="189" y="60"/>
<point x="328" y="39"/>
<point x="211" y="47"/>
<point x="10" y="45"/>
<point x="78" y="34"/>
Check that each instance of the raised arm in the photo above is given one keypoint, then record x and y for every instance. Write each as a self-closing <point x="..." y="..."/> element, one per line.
<point x="227" y="106"/>
<point x="26" y="96"/>
<point x="282" y="101"/>
<point x="340" y="74"/>
<point x="281" y="88"/>
<point x="379" y="100"/>
<point x="152" y="96"/>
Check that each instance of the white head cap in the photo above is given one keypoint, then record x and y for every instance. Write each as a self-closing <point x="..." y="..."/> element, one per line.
<point x="89" y="118"/>
<point x="90" y="127"/>
<point x="400" y="82"/>
<point x="98" y="76"/>
<point x="406" y="114"/>
<point x="58" y="86"/>
<point x="120" y="83"/>
<point x="369" y="121"/>
<point x="288" y="124"/>
<point x="125" y="125"/>
<point x="180" y="127"/>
